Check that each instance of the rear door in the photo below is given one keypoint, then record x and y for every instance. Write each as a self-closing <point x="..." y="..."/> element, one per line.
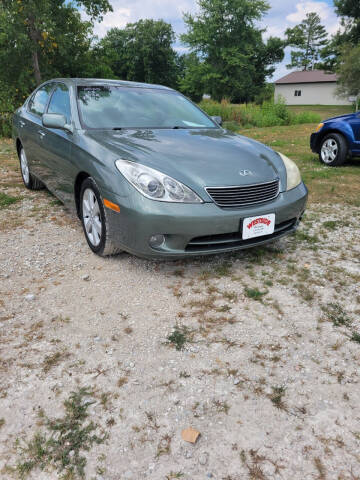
<point x="32" y="132"/>
<point x="58" y="146"/>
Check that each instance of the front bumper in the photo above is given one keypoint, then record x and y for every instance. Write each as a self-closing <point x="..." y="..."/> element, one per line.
<point x="196" y="229"/>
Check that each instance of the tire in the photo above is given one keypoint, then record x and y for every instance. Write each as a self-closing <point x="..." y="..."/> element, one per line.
<point x="94" y="219"/>
<point x="333" y="150"/>
<point x="30" y="182"/>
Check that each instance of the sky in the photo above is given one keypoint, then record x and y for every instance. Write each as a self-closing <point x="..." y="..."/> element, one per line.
<point x="282" y="14"/>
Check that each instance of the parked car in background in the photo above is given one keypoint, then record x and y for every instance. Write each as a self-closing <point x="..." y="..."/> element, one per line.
<point x="150" y="173"/>
<point x="336" y="139"/>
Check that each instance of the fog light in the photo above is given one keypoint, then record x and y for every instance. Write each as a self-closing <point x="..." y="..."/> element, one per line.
<point x="156" y="241"/>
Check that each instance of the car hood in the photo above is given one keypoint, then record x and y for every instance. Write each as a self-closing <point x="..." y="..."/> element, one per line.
<point x="198" y="158"/>
<point x="347" y="116"/>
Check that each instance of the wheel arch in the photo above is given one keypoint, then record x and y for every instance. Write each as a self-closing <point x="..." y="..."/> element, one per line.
<point x="81" y="176"/>
<point x="18" y="145"/>
<point x="328" y="132"/>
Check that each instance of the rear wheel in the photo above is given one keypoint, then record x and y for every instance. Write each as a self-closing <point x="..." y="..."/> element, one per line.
<point x="333" y="150"/>
<point x="94" y="220"/>
<point x="30" y="182"/>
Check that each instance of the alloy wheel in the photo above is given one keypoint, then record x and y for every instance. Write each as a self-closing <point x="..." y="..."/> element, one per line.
<point x="329" y="150"/>
<point x="24" y="167"/>
<point x="92" y="217"/>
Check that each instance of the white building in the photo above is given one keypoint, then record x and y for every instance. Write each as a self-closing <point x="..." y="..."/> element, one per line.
<point x="309" y="87"/>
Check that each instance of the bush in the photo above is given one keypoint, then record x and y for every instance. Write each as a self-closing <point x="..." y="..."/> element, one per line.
<point x="269" y="114"/>
<point x="5" y="124"/>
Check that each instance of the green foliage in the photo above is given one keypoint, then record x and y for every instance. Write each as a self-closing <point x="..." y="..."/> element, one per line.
<point x="6" y="200"/>
<point x="336" y="314"/>
<point x="179" y="337"/>
<point x="141" y="52"/>
<point x="349" y="10"/>
<point x="42" y="39"/>
<point x="233" y="60"/>
<point x="254" y="293"/>
<point x="349" y="73"/>
<point x="309" y="37"/>
<point x="66" y="438"/>
<point x="355" y="337"/>
<point x="268" y="114"/>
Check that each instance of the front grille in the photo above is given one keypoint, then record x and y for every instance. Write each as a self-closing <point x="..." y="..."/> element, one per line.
<point x="229" y="197"/>
<point x="224" y="241"/>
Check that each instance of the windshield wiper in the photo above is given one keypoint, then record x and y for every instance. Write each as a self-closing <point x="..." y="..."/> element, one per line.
<point x="117" y="128"/>
<point x="178" y="127"/>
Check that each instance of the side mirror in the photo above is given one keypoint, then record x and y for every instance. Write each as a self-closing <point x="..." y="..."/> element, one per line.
<point x="217" y="119"/>
<point x="54" y="120"/>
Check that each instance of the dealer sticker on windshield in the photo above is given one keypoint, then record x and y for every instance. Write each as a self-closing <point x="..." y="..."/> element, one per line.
<point x="258" y="226"/>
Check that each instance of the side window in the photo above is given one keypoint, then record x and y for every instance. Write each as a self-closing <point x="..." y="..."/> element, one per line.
<point x="60" y="102"/>
<point x="38" y="102"/>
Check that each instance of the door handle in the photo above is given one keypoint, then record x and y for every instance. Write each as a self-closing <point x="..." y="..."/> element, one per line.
<point x="42" y="134"/>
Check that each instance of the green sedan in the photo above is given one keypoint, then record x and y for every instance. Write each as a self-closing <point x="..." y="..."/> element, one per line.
<point x="150" y="173"/>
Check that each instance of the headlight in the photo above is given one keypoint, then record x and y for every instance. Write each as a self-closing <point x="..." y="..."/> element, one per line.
<point x="155" y="185"/>
<point x="319" y="127"/>
<point x="292" y="172"/>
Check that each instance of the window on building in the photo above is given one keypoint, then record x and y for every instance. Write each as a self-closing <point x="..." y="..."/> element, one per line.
<point x="297" y="93"/>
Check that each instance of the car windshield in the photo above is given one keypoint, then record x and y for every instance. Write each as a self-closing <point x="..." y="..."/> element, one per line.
<point x="116" y="107"/>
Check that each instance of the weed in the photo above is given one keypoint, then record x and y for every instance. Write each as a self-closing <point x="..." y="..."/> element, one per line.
<point x="254" y="293"/>
<point x="330" y="225"/>
<point x="2" y="422"/>
<point x="221" y="406"/>
<point x="7" y="200"/>
<point x="305" y="237"/>
<point x="179" y="336"/>
<point x="164" y="446"/>
<point x="336" y="314"/>
<point x="223" y="270"/>
<point x="66" y="438"/>
<point x="355" y="337"/>
<point x="277" y="397"/>
<point x="174" y="475"/>
<point x="54" y="359"/>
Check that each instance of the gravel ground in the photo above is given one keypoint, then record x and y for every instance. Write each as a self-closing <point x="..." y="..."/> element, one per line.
<point x="263" y="356"/>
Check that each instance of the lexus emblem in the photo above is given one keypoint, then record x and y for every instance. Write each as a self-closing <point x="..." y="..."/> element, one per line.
<point x="245" y="173"/>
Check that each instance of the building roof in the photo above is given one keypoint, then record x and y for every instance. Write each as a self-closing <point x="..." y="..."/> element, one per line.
<point x="308" y="76"/>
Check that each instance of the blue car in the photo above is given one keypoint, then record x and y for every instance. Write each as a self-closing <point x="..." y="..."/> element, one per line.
<point x="336" y="139"/>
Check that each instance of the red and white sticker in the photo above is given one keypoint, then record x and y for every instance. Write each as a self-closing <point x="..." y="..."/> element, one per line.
<point x="258" y="226"/>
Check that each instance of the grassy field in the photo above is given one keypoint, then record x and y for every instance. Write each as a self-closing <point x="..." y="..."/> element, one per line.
<point x="325" y="111"/>
<point x="326" y="184"/>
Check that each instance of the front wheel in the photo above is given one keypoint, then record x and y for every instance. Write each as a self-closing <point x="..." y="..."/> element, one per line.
<point x="333" y="150"/>
<point x="94" y="220"/>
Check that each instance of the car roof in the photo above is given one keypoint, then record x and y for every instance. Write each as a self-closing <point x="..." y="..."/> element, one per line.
<point x="103" y="81"/>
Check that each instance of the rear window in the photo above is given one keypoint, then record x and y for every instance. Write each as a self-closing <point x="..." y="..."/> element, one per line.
<point x="39" y="100"/>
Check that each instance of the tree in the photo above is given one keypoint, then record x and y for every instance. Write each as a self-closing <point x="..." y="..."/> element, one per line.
<point x="309" y="38"/>
<point x="35" y="28"/>
<point x="349" y="10"/>
<point x="349" y="73"/>
<point x="233" y="60"/>
<point x="142" y="52"/>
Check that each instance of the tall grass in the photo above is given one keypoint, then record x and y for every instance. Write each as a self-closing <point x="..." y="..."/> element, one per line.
<point x="268" y="114"/>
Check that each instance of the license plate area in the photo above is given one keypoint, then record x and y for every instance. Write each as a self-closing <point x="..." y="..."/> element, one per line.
<point x="258" y="226"/>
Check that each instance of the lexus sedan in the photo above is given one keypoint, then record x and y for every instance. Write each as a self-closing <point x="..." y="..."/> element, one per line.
<point x="150" y="173"/>
<point x="336" y="139"/>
